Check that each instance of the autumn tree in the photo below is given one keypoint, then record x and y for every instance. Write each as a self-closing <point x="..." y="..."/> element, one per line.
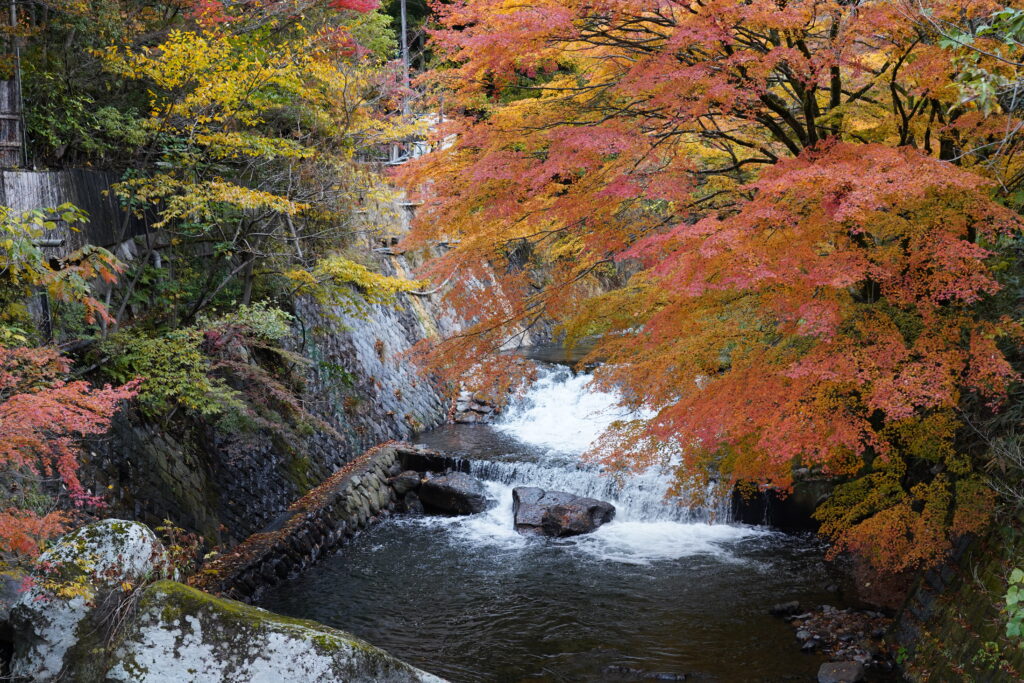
<point x="43" y="413"/>
<point x="775" y="218"/>
<point x="42" y="418"/>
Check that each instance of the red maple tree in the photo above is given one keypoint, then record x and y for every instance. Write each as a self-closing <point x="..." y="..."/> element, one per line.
<point x="767" y="215"/>
<point x="42" y="419"/>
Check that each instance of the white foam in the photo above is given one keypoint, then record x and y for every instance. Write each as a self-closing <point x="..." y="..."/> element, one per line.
<point x="561" y="416"/>
<point x="563" y="412"/>
<point x="622" y="541"/>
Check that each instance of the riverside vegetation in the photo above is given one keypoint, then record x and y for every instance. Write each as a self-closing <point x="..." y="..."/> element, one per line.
<point x="789" y="233"/>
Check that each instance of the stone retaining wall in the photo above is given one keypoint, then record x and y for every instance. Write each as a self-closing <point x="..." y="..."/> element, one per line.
<point x="228" y="486"/>
<point x="353" y="498"/>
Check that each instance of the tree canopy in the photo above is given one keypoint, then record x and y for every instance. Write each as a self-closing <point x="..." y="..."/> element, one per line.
<point x="791" y="227"/>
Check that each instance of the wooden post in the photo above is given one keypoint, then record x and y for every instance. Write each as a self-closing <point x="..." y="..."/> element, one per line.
<point x="12" y="115"/>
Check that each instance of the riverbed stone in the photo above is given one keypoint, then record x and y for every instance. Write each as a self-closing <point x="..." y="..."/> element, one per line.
<point x="557" y="513"/>
<point x="784" y="609"/>
<point x="529" y="504"/>
<point x="56" y="622"/>
<point x="404" y="482"/>
<point x="581" y="516"/>
<point x="180" y="633"/>
<point x="455" y="493"/>
<point x="841" y="672"/>
<point x="412" y="504"/>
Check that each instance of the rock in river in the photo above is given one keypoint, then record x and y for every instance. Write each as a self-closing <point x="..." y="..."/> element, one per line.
<point x="841" y="672"/>
<point x="405" y="482"/>
<point x="455" y="493"/>
<point x="557" y="513"/>
<point x="98" y="611"/>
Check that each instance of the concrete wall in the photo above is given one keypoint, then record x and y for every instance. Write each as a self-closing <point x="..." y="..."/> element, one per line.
<point x="229" y="486"/>
<point x="89" y="190"/>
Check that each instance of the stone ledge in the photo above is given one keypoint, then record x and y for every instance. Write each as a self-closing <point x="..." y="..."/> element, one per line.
<point x="353" y="498"/>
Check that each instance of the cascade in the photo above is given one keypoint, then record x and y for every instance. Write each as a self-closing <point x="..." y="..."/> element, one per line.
<point x="544" y="436"/>
<point x="661" y="588"/>
<point x="558" y="420"/>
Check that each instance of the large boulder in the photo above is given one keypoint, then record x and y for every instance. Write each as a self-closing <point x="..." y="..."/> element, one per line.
<point x="581" y="516"/>
<point x="181" y="633"/>
<point x="557" y="513"/>
<point x="455" y="493"/>
<point x="72" y="604"/>
<point x="404" y="482"/>
<point x="97" y="609"/>
<point x="529" y="504"/>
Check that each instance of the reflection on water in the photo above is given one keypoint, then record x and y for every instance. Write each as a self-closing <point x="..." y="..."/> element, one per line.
<point x="658" y="589"/>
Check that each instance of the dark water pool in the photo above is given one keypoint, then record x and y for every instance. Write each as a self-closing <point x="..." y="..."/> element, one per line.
<point x="654" y="592"/>
<point x="436" y="595"/>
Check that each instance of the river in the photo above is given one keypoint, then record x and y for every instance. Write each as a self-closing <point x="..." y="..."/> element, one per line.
<point x="660" y="591"/>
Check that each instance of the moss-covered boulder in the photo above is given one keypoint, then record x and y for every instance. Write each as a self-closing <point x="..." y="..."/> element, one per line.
<point x="73" y="605"/>
<point x="180" y="633"/>
<point x="100" y="607"/>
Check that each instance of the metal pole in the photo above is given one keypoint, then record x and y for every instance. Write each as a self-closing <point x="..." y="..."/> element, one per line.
<point x="405" y="61"/>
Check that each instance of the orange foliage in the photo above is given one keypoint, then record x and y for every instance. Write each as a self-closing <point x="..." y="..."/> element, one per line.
<point x="42" y="417"/>
<point x="754" y="206"/>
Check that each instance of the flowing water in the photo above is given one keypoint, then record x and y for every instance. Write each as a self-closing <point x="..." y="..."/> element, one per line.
<point x="662" y="590"/>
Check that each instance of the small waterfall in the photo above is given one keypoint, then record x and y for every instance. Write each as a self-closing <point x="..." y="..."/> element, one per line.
<point x="563" y="413"/>
<point x="639" y="497"/>
<point x="559" y="419"/>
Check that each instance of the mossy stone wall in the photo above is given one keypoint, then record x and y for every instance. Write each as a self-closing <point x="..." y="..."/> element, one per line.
<point x="953" y="626"/>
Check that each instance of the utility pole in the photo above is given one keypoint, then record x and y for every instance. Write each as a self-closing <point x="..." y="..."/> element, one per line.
<point x="405" y="46"/>
<point x="406" y="81"/>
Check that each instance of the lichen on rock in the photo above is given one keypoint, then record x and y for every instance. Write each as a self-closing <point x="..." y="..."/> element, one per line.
<point x="56" y="624"/>
<point x="181" y="633"/>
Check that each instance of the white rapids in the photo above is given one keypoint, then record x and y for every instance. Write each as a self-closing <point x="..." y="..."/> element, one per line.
<point x="557" y="420"/>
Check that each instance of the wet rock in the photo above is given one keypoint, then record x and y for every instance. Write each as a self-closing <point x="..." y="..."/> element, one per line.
<point x="405" y="482"/>
<point x="844" y="635"/>
<point x="529" y="504"/>
<point x="412" y="504"/>
<point x="630" y="673"/>
<point x="455" y="493"/>
<point x="581" y="516"/>
<point x="841" y="672"/>
<point x="557" y="513"/>
<point x="784" y="609"/>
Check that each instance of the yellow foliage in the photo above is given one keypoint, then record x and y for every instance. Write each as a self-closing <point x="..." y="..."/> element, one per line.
<point x="338" y="281"/>
<point x="210" y="94"/>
